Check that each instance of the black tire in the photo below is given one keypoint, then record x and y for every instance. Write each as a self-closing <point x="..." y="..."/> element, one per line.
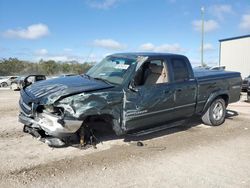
<point x="4" y="84"/>
<point x="216" y="113"/>
<point x="248" y="96"/>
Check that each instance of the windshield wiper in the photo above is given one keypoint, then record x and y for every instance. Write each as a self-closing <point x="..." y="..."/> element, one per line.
<point x="106" y="81"/>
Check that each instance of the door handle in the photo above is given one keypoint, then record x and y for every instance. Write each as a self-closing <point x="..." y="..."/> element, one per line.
<point x="179" y="90"/>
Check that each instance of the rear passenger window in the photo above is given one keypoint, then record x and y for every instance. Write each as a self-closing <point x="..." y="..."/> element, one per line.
<point x="180" y="70"/>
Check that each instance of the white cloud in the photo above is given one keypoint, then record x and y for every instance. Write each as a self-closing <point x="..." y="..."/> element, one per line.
<point x="109" y="44"/>
<point x="208" y="47"/>
<point x="65" y="55"/>
<point x="67" y="50"/>
<point x="209" y="25"/>
<point x="31" y="32"/>
<point x="245" y="22"/>
<point x="147" y="47"/>
<point x="57" y="57"/>
<point x="102" y="4"/>
<point x="92" y="57"/>
<point x="211" y="62"/>
<point x="42" y="51"/>
<point x="219" y="11"/>
<point x="45" y="55"/>
<point x="172" y="48"/>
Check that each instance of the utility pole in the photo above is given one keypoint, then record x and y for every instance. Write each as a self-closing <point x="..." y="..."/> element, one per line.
<point x="202" y="36"/>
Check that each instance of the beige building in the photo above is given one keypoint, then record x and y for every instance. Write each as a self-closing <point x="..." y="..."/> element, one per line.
<point x="235" y="54"/>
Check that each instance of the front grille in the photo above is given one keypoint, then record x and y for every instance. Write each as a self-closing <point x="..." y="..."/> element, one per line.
<point x="26" y="106"/>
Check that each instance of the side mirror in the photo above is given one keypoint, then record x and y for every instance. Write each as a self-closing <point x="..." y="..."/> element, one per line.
<point x="132" y="86"/>
<point x="30" y="80"/>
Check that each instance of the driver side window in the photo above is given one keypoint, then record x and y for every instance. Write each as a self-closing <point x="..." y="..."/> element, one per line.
<point x="151" y="73"/>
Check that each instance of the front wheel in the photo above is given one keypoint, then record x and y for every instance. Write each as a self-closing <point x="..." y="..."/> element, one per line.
<point x="13" y="86"/>
<point x="216" y="113"/>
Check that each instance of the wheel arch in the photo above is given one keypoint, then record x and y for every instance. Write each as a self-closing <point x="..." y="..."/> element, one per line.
<point x="218" y="94"/>
<point x="4" y="83"/>
<point x="109" y="121"/>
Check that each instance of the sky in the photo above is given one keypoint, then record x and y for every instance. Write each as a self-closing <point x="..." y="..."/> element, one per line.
<point x="87" y="30"/>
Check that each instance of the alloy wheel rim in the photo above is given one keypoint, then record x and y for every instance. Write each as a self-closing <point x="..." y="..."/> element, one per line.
<point x="218" y="111"/>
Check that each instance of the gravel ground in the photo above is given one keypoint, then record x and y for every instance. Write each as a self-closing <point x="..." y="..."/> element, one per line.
<point x="193" y="155"/>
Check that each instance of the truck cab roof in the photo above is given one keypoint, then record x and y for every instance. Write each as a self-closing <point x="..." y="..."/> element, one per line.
<point x="148" y="54"/>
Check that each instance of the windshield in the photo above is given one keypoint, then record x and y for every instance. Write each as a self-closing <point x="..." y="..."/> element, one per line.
<point x="112" y="69"/>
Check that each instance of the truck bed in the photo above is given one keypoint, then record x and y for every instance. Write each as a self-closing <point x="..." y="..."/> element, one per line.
<point x="212" y="81"/>
<point x="203" y="74"/>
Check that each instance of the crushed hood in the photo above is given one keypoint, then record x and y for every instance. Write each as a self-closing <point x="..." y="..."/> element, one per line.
<point x="49" y="91"/>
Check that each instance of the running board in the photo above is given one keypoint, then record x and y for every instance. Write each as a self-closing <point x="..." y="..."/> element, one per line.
<point x="158" y="128"/>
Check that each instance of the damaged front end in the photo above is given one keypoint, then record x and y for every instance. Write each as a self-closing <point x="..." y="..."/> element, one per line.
<point x="48" y="123"/>
<point x="56" y="113"/>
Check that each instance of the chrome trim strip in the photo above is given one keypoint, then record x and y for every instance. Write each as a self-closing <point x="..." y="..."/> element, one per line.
<point x="161" y="111"/>
<point x="202" y="101"/>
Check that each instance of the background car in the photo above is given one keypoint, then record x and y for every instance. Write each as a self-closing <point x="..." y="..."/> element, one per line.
<point x="5" y="82"/>
<point x="19" y="82"/>
<point x="245" y="83"/>
<point x="248" y="93"/>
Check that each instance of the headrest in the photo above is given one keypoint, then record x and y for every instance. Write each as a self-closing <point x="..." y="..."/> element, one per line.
<point x="156" y="68"/>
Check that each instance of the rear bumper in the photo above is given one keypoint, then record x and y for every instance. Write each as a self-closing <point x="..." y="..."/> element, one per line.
<point x="51" y="125"/>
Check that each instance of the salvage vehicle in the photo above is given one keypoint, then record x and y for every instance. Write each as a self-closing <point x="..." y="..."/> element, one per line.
<point x="19" y="82"/>
<point x="5" y="82"/>
<point x="245" y="84"/>
<point x="131" y="93"/>
<point x="248" y="93"/>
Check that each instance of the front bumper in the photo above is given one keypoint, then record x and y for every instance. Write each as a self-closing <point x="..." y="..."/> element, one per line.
<point x="52" y="125"/>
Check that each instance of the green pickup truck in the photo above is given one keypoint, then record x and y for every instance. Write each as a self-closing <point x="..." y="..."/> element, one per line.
<point x="129" y="93"/>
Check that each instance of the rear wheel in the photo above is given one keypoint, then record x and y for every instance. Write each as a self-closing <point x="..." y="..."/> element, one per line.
<point x="216" y="113"/>
<point x="4" y="84"/>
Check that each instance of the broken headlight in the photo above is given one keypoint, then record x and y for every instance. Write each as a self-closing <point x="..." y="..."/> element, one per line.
<point x="54" y="110"/>
<point x="49" y="108"/>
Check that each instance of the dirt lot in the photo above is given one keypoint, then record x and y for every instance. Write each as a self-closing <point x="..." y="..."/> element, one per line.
<point x="193" y="155"/>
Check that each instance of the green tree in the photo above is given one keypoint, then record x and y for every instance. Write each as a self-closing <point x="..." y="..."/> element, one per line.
<point x="13" y="66"/>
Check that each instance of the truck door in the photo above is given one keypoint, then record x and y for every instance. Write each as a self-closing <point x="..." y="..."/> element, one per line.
<point x="150" y="101"/>
<point x="185" y="87"/>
